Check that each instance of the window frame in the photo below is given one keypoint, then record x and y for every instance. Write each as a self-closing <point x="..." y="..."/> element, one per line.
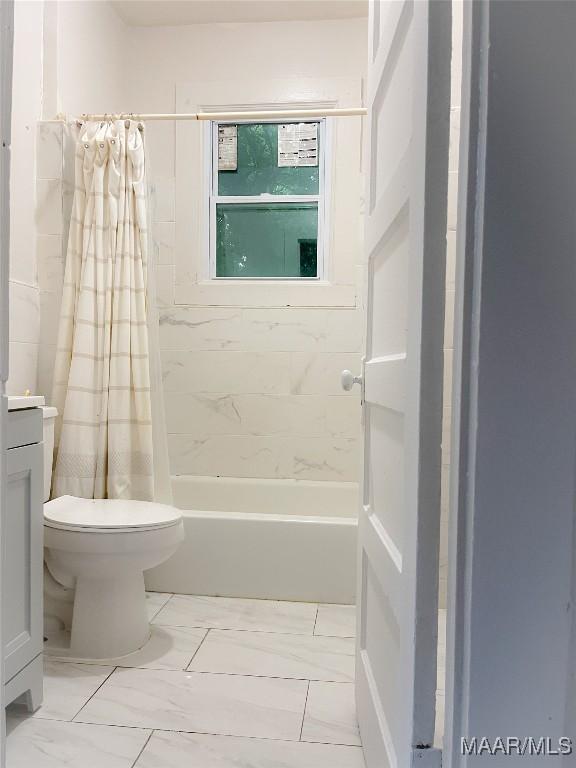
<point x="321" y="199"/>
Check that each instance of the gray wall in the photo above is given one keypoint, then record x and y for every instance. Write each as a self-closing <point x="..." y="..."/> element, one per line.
<point x="515" y="579"/>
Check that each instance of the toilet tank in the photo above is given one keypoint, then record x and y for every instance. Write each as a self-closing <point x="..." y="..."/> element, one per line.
<point x="49" y="414"/>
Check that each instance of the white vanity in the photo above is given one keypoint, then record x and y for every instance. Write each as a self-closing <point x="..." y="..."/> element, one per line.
<point x="22" y="562"/>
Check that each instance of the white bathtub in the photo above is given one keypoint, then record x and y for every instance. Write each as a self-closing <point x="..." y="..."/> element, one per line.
<point x="275" y="539"/>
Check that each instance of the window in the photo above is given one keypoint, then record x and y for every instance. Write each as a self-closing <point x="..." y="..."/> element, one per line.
<point x="267" y="200"/>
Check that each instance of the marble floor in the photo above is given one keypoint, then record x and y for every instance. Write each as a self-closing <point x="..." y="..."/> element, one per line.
<point x="222" y="683"/>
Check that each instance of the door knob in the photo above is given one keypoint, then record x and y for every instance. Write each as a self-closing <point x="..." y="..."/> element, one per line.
<point x="348" y="380"/>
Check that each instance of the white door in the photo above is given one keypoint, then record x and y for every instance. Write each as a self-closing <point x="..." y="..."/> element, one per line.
<point x="408" y="100"/>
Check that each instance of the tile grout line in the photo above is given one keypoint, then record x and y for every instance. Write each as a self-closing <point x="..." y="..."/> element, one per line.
<point x="315" y="619"/>
<point x="192" y="733"/>
<point x="174" y="671"/>
<point x="94" y="693"/>
<point x="331" y="743"/>
<point x="117" y="662"/>
<point x="304" y="712"/>
<point x="179" y="731"/>
<point x="235" y="629"/>
<point x="186" y="668"/>
<point x="139" y="755"/>
<point x="161" y="608"/>
<point x="117" y="665"/>
<point x="245" y="674"/>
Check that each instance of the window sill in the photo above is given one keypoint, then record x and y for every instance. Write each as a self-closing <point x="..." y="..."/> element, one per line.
<point x="265" y="293"/>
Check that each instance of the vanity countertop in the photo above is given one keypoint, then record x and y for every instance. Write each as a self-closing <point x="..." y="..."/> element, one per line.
<point x="19" y="402"/>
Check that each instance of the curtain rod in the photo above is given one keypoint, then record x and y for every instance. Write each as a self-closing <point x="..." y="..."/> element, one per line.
<point x="264" y="114"/>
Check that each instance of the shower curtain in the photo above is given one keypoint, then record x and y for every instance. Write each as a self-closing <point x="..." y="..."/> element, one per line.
<point x="102" y="376"/>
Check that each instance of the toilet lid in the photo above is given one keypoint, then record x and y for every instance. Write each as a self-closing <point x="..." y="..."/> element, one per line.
<point x="73" y="513"/>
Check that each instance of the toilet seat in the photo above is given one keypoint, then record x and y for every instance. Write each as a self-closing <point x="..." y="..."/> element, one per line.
<point x="71" y="513"/>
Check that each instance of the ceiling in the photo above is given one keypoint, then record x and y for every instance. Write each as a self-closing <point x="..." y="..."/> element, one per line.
<point x="152" y="13"/>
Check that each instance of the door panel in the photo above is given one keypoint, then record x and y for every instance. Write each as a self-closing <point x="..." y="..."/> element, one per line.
<point x="389" y="282"/>
<point x="409" y="90"/>
<point x="22" y="560"/>
<point x="385" y="496"/>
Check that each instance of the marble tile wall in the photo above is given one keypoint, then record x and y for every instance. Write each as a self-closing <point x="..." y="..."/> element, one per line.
<point x="256" y="392"/>
<point x="50" y="243"/>
<point x="34" y="300"/>
<point x="251" y="391"/>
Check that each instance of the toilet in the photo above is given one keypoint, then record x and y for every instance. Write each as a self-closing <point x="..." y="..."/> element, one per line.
<point x="96" y="552"/>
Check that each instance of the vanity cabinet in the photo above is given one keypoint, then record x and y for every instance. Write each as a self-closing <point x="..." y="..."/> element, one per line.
<point x="22" y="560"/>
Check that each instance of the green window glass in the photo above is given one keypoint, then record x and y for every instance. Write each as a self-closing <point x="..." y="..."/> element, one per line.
<point x="266" y="240"/>
<point x="258" y="172"/>
<point x="265" y="211"/>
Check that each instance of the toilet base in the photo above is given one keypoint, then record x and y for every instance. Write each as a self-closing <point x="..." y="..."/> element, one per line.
<point x="103" y="571"/>
<point x="109" y="617"/>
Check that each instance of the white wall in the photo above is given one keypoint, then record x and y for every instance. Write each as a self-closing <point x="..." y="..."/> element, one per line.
<point x="26" y="111"/>
<point x="91" y="57"/>
<point x="64" y="54"/>
<point x="84" y="60"/>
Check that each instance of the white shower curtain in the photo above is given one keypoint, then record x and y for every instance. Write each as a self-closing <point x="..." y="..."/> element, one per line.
<point x="102" y="371"/>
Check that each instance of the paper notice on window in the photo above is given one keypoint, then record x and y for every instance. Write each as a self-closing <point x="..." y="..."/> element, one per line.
<point x="297" y="144"/>
<point x="227" y="147"/>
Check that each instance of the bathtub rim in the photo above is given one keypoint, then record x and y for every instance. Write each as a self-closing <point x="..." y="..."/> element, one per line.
<point x="271" y="517"/>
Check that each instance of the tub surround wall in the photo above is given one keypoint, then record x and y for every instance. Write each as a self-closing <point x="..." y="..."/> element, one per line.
<point x="249" y="392"/>
<point x="269" y="410"/>
<point x="252" y="372"/>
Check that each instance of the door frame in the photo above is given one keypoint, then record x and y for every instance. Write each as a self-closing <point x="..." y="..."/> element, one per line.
<point x="472" y="117"/>
<point x="512" y="552"/>
<point x="6" y="56"/>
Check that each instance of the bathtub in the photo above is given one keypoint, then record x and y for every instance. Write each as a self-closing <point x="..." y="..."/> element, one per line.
<point x="273" y="539"/>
